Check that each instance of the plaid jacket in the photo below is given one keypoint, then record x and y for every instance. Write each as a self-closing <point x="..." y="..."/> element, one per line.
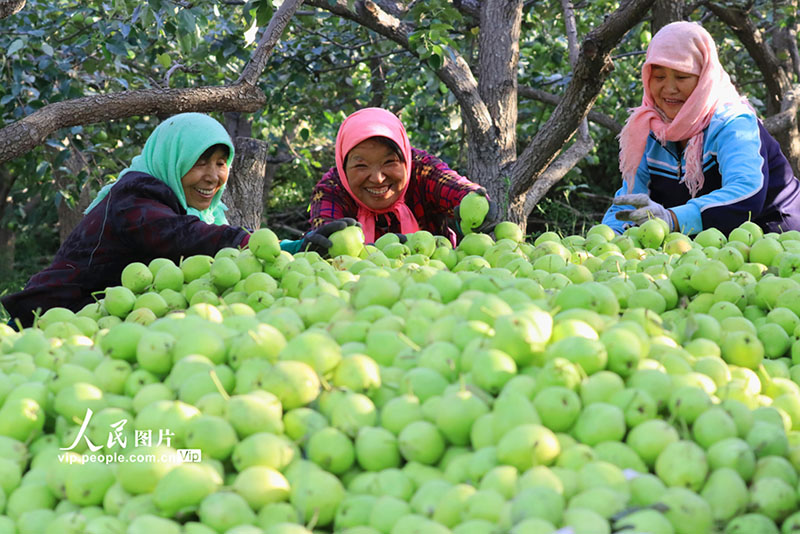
<point x="434" y="190"/>
<point x="140" y="219"/>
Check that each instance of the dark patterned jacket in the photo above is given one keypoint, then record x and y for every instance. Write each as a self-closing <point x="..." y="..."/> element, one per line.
<point x="140" y="219"/>
<point x="434" y="190"/>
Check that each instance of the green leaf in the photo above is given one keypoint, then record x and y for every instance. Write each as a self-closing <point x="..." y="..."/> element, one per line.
<point x="164" y="60"/>
<point x="304" y="133"/>
<point x="16" y="45"/>
<point x="47" y="49"/>
<point x="186" y="21"/>
<point x="435" y="61"/>
<point x="264" y="12"/>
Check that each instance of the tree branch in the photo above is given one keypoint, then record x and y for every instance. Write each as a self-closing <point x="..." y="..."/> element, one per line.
<point x="471" y="8"/>
<point x="596" y="117"/>
<point x="454" y="72"/>
<point x="785" y="120"/>
<point x="753" y="40"/>
<point x="557" y="170"/>
<point x="273" y="32"/>
<point x="10" y="7"/>
<point x="591" y="70"/>
<point x="19" y="137"/>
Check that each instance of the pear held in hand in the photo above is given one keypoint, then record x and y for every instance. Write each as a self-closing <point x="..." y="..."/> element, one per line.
<point x="472" y="211"/>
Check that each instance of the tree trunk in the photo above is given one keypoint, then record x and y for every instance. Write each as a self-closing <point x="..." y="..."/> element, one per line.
<point x="665" y="12"/>
<point x="498" y="56"/>
<point x="238" y="124"/>
<point x="784" y="38"/>
<point x="244" y="192"/>
<point x="70" y="214"/>
<point x="8" y="241"/>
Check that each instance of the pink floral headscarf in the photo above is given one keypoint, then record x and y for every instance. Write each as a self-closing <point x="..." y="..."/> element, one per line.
<point x="358" y="127"/>
<point x="685" y="47"/>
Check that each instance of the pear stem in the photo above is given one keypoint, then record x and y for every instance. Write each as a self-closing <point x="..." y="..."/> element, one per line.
<point x="218" y="384"/>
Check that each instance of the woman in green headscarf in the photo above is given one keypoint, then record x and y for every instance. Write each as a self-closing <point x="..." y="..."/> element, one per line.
<point x="166" y="204"/>
<point x="172" y="151"/>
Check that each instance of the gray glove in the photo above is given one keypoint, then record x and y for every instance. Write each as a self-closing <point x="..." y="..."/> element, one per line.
<point x="645" y="209"/>
<point x="317" y="240"/>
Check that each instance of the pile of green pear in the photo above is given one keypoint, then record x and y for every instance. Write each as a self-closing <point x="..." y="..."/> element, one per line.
<point x="638" y="383"/>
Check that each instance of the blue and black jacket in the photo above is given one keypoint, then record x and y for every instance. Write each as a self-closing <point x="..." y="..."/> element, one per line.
<point x="747" y="177"/>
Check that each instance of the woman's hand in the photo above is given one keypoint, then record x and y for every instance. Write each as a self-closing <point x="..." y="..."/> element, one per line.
<point x="645" y="210"/>
<point x="470" y="220"/>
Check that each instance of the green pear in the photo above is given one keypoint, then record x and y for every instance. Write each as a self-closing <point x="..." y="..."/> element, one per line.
<point x="353" y="513"/>
<point x="472" y="210"/>
<point x="349" y="242"/>
<point x="376" y="449"/>
<point x="726" y="493"/>
<point x="184" y="487"/>
<point x="87" y="483"/>
<point x="223" y="511"/>
<point x="213" y="435"/>
<point x="261" y="485"/>
<point x="295" y="383"/>
<point x="119" y="300"/>
<point x="21" y="419"/>
<point x="137" y="477"/>
<point x="734" y="453"/>
<point x="264" y="244"/>
<point x="265" y="449"/>
<point x="136" y="277"/>
<point x="121" y="341"/>
<point x="752" y="524"/>
<point x="146" y="524"/>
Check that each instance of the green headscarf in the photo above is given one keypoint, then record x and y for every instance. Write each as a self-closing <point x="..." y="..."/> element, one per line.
<point x="171" y="150"/>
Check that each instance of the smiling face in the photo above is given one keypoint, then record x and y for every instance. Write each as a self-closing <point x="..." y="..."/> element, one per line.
<point x="376" y="174"/>
<point x="206" y="177"/>
<point x="671" y="88"/>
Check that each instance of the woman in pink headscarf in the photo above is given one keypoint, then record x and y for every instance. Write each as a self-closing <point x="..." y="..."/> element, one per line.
<point x="386" y="184"/>
<point x="694" y="153"/>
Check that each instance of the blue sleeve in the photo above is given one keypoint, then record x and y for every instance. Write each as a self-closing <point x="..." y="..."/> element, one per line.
<point x="292" y="247"/>
<point x="737" y="147"/>
<point x="640" y="185"/>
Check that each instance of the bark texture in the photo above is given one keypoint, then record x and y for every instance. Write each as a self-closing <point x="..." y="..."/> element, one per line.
<point x="245" y="190"/>
<point x="69" y="215"/>
<point x="9" y="7"/>
<point x="666" y="11"/>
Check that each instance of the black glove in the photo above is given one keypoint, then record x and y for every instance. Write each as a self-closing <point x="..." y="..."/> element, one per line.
<point x="316" y="240"/>
<point x="489" y="221"/>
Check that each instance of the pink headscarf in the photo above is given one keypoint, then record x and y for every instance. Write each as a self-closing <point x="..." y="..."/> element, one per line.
<point x="685" y="47"/>
<point x="358" y="127"/>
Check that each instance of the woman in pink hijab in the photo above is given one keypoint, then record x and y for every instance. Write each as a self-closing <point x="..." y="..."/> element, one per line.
<point x="694" y="153"/>
<point x="386" y="184"/>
